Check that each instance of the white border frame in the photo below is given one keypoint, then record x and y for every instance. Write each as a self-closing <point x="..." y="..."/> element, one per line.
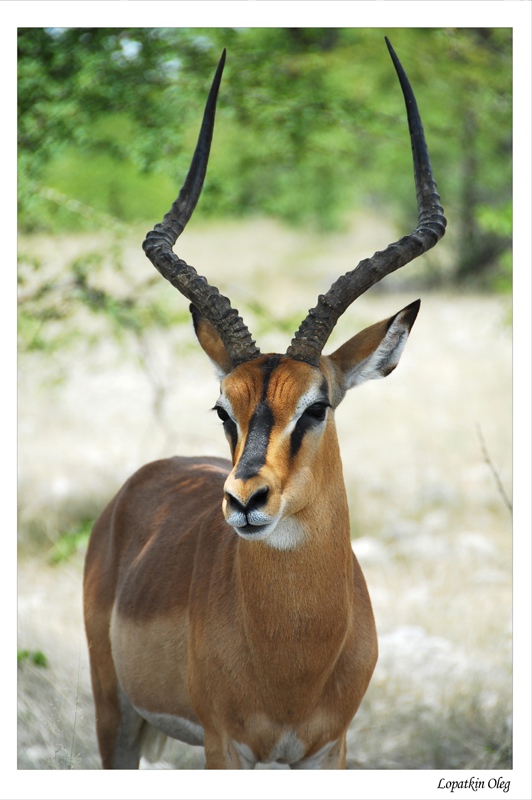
<point x="370" y="785"/>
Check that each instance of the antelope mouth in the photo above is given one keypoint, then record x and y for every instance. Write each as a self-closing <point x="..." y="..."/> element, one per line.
<point x="281" y="533"/>
<point x="251" y="523"/>
<point x="252" y="530"/>
<point x="249" y="531"/>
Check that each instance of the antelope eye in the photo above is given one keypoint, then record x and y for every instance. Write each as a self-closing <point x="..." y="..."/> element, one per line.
<point x="317" y="411"/>
<point x="222" y="413"/>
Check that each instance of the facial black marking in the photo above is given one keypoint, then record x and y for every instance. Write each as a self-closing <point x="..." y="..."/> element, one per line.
<point x="262" y="421"/>
<point x="229" y="426"/>
<point x="267" y="368"/>
<point x="261" y="424"/>
<point x="310" y="418"/>
<point x="257" y="441"/>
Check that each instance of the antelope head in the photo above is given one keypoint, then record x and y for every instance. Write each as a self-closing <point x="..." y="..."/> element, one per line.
<point x="278" y="410"/>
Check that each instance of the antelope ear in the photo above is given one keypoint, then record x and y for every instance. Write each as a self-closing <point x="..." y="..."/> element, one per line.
<point x="211" y="343"/>
<point x="375" y="351"/>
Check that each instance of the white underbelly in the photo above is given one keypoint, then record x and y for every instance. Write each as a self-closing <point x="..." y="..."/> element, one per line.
<point x="173" y="726"/>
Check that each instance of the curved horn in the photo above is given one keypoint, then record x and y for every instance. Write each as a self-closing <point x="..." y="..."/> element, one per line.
<point x="314" y="331"/>
<point x="159" y="242"/>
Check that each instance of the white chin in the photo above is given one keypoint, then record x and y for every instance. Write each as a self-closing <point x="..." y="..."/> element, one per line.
<point x="281" y="534"/>
<point x="256" y="532"/>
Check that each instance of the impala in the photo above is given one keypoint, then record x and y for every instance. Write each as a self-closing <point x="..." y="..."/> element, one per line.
<point x="223" y="603"/>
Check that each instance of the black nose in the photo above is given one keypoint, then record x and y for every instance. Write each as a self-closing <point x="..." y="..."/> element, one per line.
<point x="254" y="502"/>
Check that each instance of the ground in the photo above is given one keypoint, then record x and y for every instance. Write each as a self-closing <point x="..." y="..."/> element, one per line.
<point x="427" y="459"/>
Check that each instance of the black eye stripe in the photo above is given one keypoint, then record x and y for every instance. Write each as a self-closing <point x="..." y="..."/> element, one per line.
<point x="231" y="432"/>
<point x="305" y="422"/>
<point x="228" y="425"/>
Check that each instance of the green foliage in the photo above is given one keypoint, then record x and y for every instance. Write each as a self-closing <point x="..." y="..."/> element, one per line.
<point x="496" y="219"/>
<point x="496" y="222"/>
<point x="35" y="657"/>
<point x="116" y="188"/>
<point x="71" y="542"/>
<point x="310" y="124"/>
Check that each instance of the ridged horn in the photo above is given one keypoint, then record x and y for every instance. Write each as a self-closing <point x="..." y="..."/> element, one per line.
<point x="315" y="330"/>
<point x="160" y="241"/>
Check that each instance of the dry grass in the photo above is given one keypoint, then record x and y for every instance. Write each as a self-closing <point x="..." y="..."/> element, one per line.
<point x="430" y="525"/>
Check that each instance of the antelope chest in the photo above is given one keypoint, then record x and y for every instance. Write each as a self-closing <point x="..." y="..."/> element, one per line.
<point x="277" y="706"/>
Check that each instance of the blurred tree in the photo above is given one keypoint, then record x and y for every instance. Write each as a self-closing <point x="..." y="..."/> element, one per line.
<point x="311" y="125"/>
<point x="481" y="109"/>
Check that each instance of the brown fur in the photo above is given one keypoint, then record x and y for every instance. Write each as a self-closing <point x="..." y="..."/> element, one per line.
<point x="257" y="644"/>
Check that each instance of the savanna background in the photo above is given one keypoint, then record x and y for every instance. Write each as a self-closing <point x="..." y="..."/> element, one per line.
<point x="310" y="172"/>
